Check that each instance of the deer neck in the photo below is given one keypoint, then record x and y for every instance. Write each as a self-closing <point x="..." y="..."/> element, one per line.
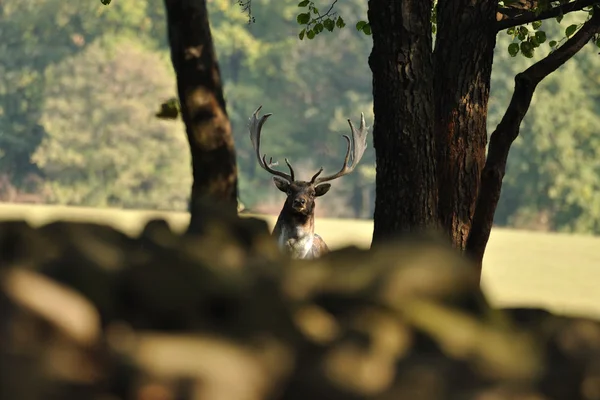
<point x="297" y="231"/>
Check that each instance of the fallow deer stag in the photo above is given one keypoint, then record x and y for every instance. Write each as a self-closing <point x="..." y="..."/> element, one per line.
<point x="295" y="227"/>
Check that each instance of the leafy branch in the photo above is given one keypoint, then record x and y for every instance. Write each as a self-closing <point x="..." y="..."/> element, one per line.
<point x="246" y="6"/>
<point x="311" y="17"/>
<point x="530" y="39"/>
<point x="316" y="22"/>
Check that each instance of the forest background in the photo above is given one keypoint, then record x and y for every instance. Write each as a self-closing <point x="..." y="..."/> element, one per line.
<point x="82" y="84"/>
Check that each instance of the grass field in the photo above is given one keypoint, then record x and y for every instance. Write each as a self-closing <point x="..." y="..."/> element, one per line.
<point x="555" y="271"/>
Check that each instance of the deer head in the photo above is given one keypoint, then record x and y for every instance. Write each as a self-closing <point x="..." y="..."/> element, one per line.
<point x="301" y="194"/>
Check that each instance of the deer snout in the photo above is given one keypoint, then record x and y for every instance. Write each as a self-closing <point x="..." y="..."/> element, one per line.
<point x="299" y="202"/>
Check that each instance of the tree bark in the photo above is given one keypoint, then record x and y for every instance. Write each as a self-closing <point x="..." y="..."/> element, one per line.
<point x="508" y="130"/>
<point x="402" y="66"/>
<point x="202" y="107"/>
<point x="464" y="52"/>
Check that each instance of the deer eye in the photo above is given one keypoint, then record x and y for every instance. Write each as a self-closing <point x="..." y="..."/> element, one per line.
<point x="289" y="192"/>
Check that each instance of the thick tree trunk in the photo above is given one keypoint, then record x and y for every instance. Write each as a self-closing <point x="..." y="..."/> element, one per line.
<point x="202" y="106"/>
<point x="402" y="66"/>
<point x="464" y="51"/>
<point x="409" y="143"/>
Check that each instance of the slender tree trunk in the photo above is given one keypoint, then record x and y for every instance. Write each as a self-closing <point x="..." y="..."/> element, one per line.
<point x="508" y="130"/>
<point x="464" y="53"/>
<point x="402" y="66"/>
<point x="202" y="106"/>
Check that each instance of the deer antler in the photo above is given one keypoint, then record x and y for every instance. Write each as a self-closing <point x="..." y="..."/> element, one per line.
<point x="254" y="126"/>
<point x="358" y="146"/>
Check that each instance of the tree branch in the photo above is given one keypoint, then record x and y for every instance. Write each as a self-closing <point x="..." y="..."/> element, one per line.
<point x="508" y="130"/>
<point x="527" y="17"/>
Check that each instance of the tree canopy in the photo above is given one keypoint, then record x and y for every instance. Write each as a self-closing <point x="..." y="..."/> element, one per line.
<point x="102" y="146"/>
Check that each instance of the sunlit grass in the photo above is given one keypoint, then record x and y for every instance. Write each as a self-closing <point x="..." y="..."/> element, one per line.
<point x="556" y="271"/>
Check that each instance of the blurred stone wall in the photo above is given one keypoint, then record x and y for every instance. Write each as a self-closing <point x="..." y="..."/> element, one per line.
<point x="87" y="312"/>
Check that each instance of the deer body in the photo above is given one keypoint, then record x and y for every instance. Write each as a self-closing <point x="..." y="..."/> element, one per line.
<point x="295" y="234"/>
<point x="295" y="227"/>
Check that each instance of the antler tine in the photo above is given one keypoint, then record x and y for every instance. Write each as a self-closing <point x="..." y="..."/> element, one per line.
<point x="272" y="163"/>
<point x="312" y="180"/>
<point x="255" y="125"/>
<point x="291" y="169"/>
<point x="358" y="147"/>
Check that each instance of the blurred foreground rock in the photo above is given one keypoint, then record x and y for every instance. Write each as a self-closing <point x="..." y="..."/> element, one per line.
<point x="89" y="313"/>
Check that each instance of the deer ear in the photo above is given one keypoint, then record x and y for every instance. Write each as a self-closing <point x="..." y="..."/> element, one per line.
<point x="322" y="189"/>
<point x="281" y="184"/>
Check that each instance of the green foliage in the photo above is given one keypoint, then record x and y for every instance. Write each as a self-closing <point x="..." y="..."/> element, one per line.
<point x="103" y="145"/>
<point x="570" y="31"/>
<point x="316" y="22"/>
<point x="170" y="109"/>
<point x="37" y="34"/>
<point x="363" y="26"/>
<point x="513" y="49"/>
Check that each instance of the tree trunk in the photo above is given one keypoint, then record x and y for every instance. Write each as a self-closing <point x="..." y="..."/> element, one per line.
<point x="508" y="130"/>
<point x="402" y="66"/>
<point x="202" y="106"/>
<point x="463" y="56"/>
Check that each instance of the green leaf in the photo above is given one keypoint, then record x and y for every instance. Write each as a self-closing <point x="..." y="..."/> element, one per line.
<point x="105" y="2"/>
<point x="329" y="24"/>
<point x="303" y="18"/>
<point x="536" y="25"/>
<point x="553" y="43"/>
<point x="527" y="49"/>
<point x="570" y="30"/>
<point x="513" y="49"/>
<point x="360" y="25"/>
<point x="523" y="30"/>
<point x="315" y="10"/>
<point x="433" y="28"/>
<point x="540" y="36"/>
<point x="598" y="42"/>
<point x="367" y="29"/>
<point x="301" y="34"/>
<point x="559" y="18"/>
<point x="303" y="3"/>
<point x="510" y="31"/>
<point x="310" y="34"/>
<point x="318" y="28"/>
<point x="340" y="23"/>
<point x="534" y="42"/>
<point x="169" y="110"/>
